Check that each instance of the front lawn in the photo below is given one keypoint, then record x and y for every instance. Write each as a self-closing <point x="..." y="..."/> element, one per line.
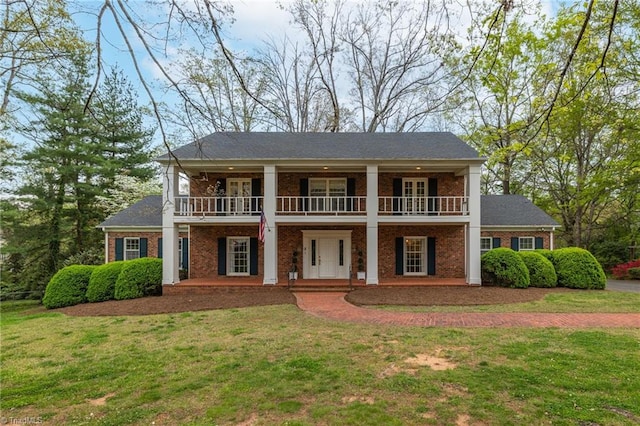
<point x="278" y="365"/>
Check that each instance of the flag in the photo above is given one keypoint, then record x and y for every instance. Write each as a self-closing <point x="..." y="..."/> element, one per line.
<point x="263" y="222"/>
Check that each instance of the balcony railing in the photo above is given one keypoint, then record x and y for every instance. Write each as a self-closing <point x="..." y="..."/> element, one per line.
<point x="218" y="206"/>
<point x="322" y="205"/>
<point x="336" y="206"/>
<point x="424" y="206"/>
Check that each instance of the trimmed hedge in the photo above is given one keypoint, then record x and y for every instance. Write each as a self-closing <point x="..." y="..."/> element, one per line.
<point x="634" y="273"/>
<point x="577" y="268"/>
<point x="541" y="270"/>
<point x="68" y="286"/>
<point x="139" y="278"/>
<point x="504" y="268"/>
<point x="102" y="285"/>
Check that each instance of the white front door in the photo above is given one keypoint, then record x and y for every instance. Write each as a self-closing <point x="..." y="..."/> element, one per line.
<point x="326" y="254"/>
<point x="328" y="258"/>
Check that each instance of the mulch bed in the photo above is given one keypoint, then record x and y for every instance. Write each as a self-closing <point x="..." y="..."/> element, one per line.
<point x="244" y="297"/>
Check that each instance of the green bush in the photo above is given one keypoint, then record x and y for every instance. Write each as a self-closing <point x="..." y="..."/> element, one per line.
<point x="634" y="273"/>
<point x="577" y="268"/>
<point x="139" y="278"/>
<point x="102" y="285"/>
<point x="68" y="286"/>
<point x="548" y="254"/>
<point x="541" y="270"/>
<point x="504" y="268"/>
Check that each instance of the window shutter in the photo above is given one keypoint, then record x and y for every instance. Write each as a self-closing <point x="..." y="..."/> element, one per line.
<point x="431" y="256"/>
<point x="515" y="243"/>
<point x="304" y="192"/>
<point x="399" y="256"/>
<point x="185" y="253"/>
<point x="351" y="192"/>
<point x="222" y="256"/>
<point x="256" y="191"/>
<point x="397" y="194"/>
<point x="220" y="204"/>
<point x="432" y="191"/>
<point x="119" y="248"/>
<point x="143" y="247"/>
<point x="539" y="243"/>
<point x="159" y="248"/>
<point x="253" y="256"/>
<point x="496" y="243"/>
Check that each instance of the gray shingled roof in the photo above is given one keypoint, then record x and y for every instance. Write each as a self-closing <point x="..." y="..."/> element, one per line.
<point x="497" y="210"/>
<point x="325" y="146"/>
<point x="145" y="213"/>
<point x="513" y="210"/>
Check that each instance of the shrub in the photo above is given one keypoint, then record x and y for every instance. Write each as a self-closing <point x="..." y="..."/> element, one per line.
<point x="541" y="270"/>
<point x="503" y="267"/>
<point x="68" y="286"/>
<point x="634" y="273"/>
<point x="548" y="254"/>
<point x="577" y="268"/>
<point x="622" y="271"/>
<point x="139" y="278"/>
<point x="102" y="285"/>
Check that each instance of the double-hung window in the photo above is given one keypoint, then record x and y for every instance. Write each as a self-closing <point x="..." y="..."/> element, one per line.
<point x="415" y="255"/>
<point x="238" y="255"/>
<point x="486" y="244"/>
<point x="327" y="195"/>
<point x="131" y="248"/>
<point x="526" y="243"/>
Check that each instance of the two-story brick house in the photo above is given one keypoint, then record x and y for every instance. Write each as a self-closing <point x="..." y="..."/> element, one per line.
<point x="399" y="206"/>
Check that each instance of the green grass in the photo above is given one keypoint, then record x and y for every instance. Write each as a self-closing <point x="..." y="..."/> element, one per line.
<point x="587" y="301"/>
<point x="278" y="365"/>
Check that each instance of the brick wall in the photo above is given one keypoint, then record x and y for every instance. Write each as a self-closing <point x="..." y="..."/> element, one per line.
<point x="450" y="248"/>
<point x="152" y="242"/>
<point x="505" y="236"/>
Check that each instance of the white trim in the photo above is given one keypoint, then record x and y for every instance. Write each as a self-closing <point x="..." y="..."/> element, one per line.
<point x="533" y="243"/>
<point x="230" y="258"/>
<point x="490" y="244"/>
<point x="126" y="250"/>
<point x="106" y="246"/>
<point x="312" y="272"/>
<point x="425" y="256"/>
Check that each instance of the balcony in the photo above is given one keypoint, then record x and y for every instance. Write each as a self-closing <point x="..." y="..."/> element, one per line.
<point x="322" y="206"/>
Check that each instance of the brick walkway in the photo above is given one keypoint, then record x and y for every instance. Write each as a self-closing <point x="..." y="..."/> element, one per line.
<point x="331" y="305"/>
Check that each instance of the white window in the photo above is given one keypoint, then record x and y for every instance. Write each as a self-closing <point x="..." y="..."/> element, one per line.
<point x="414" y="192"/>
<point x="239" y="195"/>
<point x="486" y="244"/>
<point x="238" y="255"/>
<point x="131" y="248"/>
<point x="180" y="263"/>
<point x="415" y="256"/>
<point x="526" y="243"/>
<point x="327" y="194"/>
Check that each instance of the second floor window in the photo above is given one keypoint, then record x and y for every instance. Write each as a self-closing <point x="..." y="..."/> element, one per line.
<point x="239" y="195"/>
<point x="414" y="192"/>
<point x="327" y="194"/>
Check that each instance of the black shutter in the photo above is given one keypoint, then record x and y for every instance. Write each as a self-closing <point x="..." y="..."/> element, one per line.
<point x="304" y="192"/>
<point x="185" y="253"/>
<point x="351" y="192"/>
<point x="253" y="256"/>
<point x="496" y="243"/>
<point x="431" y="256"/>
<point x="397" y="196"/>
<point x="222" y="256"/>
<point x="539" y="243"/>
<point x="220" y="204"/>
<point x="256" y="191"/>
<point x="432" y="204"/>
<point x="143" y="247"/>
<point x="515" y="243"/>
<point x="119" y="248"/>
<point x="399" y="256"/>
<point x="159" y="248"/>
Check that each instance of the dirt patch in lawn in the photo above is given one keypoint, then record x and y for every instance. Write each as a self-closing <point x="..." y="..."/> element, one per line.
<point x="228" y="298"/>
<point x="447" y="295"/>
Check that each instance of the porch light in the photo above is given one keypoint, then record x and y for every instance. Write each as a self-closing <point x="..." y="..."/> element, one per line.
<point x="418" y="168"/>
<point x="325" y="168"/>
<point x="230" y="168"/>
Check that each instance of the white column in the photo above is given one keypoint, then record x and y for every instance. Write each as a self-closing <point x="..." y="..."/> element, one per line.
<point x="270" y="246"/>
<point x="170" y="182"/>
<point x="473" y="236"/>
<point x="372" y="224"/>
